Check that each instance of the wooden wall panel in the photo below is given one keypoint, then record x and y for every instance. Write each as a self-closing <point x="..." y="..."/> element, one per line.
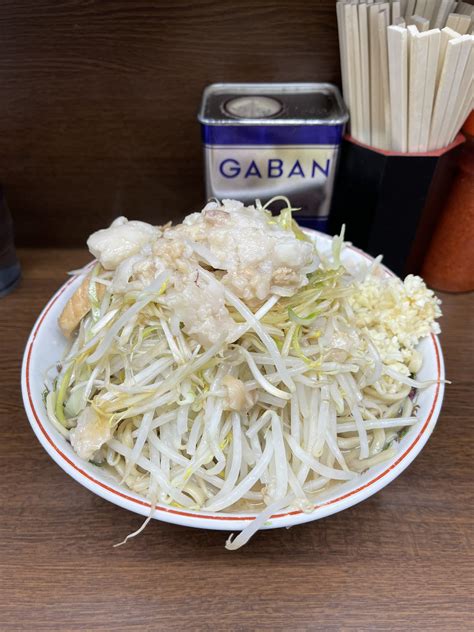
<point x="98" y="99"/>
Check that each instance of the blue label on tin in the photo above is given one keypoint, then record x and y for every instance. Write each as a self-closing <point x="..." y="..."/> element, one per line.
<point x="329" y="135"/>
<point x="276" y="168"/>
<point x="245" y="162"/>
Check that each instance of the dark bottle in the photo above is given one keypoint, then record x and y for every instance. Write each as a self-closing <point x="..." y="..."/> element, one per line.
<point x="9" y="265"/>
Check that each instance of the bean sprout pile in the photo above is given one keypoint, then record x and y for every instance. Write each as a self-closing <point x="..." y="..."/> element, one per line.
<point x="199" y="391"/>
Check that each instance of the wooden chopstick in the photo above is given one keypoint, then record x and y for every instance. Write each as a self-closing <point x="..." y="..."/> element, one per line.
<point x="400" y="22"/>
<point x="343" y="51"/>
<point x="375" y="92"/>
<point x="459" y="23"/>
<point x="420" y="7"/>
<point x="408" y="89"/>
<point x="446" y="35"/>
<point x="464" y="44"/>
<point x="429" y="12"/>
<point x="410" y="8"/>
<point x="465" y="97"/>
<point x="465" y="8"/>
<point x="421" y="23"/>
<point x="395" y="11"/>
<point x="403" y="7"/>
<point x="434" y="43"/>
<point x="418" y="55"/>
<point x="349" y="36"/>
<point x="397" y="38"/>
<point x="356" y="68"/>
<point x="443" y="12"/>
<point x="383" y="22"/>
<point x="448" y="71"/>
<point x="365" y="71"/>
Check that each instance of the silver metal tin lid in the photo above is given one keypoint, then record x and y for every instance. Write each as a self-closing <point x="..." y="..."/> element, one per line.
<point x="256" y="104"/>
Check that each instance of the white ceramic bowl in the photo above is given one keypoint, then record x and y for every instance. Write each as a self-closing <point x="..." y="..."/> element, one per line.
<point x="46" y="346"/>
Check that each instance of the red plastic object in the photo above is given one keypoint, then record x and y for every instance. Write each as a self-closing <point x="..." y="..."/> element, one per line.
<point x="449" y="263"/>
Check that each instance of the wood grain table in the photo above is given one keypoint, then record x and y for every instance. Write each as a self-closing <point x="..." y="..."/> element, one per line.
<point x="402" y="560"/>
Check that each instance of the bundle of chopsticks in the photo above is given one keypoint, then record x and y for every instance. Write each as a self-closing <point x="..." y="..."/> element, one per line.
<point x="407" y="71"/>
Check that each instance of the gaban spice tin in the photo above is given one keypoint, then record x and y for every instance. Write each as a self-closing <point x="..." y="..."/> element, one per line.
<point x="267" y="139"/>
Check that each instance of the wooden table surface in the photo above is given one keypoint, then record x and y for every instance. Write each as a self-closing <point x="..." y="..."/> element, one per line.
<point x="401" y="560"/>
